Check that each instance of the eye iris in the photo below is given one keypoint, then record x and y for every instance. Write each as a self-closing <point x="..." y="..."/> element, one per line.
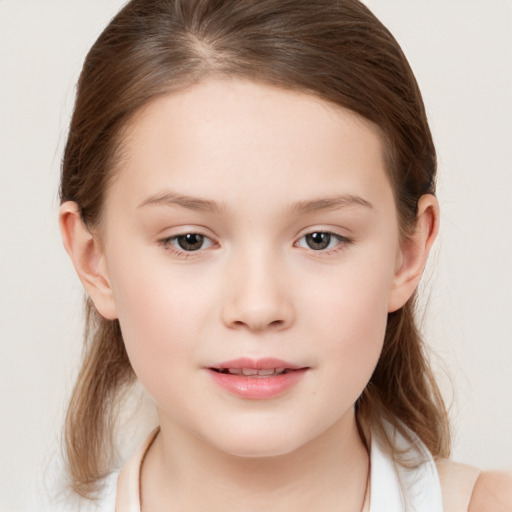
<point x="318" y="241"/>
<point x="190" y="241"/>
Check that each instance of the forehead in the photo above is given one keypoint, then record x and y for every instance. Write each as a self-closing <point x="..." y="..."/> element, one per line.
<point x="231" y="138"/>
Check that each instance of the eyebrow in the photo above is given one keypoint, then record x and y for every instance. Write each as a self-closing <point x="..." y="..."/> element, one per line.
<point x="207" y="205"/>
<point x="330" y="203"/>
<point x="189" y="202"/>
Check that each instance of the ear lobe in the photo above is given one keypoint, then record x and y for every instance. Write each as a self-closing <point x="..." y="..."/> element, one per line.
<point x="414" y="252"/>
<point x="88" y="259"/>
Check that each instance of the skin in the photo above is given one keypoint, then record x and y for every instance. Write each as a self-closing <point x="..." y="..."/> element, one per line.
<point x="492" y="491"/>
<point x="255" y="288"/>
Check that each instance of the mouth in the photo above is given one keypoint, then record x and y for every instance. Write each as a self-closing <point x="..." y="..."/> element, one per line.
<point x="253" y="372"/>
<point x="256" y="379"/>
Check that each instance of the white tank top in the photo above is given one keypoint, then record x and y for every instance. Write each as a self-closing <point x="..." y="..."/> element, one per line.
<point x="392" y="488"/>
<point x="396" y="488"/>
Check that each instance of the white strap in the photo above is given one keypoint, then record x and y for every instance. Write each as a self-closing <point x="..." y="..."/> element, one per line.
<point x="128" y="483"/>
<point x="395" y="488"/>
<point x="385" y="487"/>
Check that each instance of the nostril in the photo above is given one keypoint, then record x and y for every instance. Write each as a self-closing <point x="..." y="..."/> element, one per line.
<point x="259" y="326"/>
<point x="257" y="314"/>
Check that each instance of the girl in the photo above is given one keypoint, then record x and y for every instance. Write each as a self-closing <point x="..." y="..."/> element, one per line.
<point x="248" y="198"/>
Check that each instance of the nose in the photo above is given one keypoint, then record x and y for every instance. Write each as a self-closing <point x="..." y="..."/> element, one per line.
<point x="257" y="296"/>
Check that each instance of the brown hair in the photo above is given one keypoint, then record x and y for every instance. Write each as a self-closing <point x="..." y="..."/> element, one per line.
<point x="334" y="49"/>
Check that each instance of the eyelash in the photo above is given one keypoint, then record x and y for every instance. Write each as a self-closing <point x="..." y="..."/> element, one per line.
<point x="168" y="243"/>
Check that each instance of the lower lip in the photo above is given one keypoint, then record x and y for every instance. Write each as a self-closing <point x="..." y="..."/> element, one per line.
<point x="257" y="388"/>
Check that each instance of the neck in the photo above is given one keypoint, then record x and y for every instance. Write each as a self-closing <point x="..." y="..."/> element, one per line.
<point x="328" y="473"/>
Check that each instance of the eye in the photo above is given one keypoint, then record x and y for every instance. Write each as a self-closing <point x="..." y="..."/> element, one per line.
<point x="188" y="242"/>
<point x="321" y="240"/>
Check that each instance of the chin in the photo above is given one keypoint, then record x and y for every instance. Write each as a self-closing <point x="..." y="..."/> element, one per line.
<point x="254" y="447"/>
<point x="257" y="439"/>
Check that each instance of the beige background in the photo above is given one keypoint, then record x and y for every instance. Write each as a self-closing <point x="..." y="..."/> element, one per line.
<point x="461" y="51"/>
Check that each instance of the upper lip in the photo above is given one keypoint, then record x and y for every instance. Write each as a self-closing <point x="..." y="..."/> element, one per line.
<point x="265" y="363"/>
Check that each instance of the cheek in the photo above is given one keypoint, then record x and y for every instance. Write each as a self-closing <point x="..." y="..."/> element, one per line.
<point x="354" y="335"/>
<point x="350" y="319"/>
<point x="160" y="316"/>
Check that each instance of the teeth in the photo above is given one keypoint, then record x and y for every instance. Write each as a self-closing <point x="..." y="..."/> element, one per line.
<point x="249" y="371"/>
<point x="252" y="372"/>
<point x="270" y="371"/>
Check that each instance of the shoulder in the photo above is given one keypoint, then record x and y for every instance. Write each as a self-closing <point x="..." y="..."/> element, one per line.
<point x="467" y="488"/>
<point x="492" y="491"/>
<point x="457" y="484"/>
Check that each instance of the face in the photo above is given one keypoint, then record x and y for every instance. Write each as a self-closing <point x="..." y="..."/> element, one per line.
<point x="251" y="230"/>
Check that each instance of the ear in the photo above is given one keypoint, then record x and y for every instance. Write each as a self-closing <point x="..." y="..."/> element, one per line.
<point x="414" y="251"/>
<point x="88" y="259"/>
